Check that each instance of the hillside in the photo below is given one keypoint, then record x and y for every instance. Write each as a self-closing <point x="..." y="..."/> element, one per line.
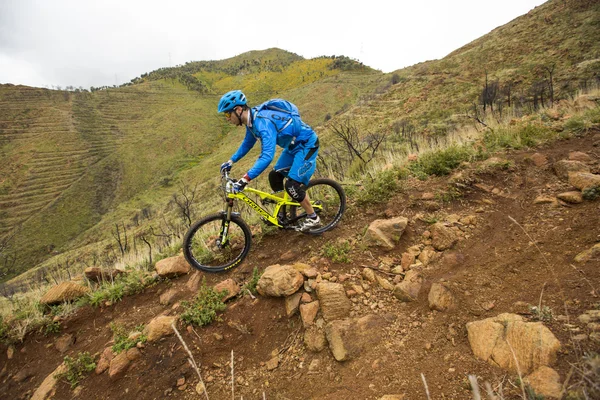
<point x="513" y="253"/>
<point x="75" y="165"/>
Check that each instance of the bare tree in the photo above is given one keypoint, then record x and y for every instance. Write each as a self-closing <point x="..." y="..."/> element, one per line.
<point x="185" y="202"/>
<point x="120" y="235"/>
<point x="351" y="145"/>
<point x="489" y="93"/>
<point x="549" y="69"/>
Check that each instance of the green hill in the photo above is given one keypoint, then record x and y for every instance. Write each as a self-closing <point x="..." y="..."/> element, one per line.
<point x="75" y="165"/>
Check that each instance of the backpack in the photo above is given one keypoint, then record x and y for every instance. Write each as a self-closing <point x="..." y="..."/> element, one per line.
<point x="286" y="107"/>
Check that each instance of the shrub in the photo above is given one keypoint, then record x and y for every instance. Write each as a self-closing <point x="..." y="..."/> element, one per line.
<point x="441" y="162"/>
<point x="382" y="188"/>
<point x="591" y="193"/>
<point x="338" y="252"/>
<point x="253" y="282"/>
<point x="122" y="340"/>
<point x="77" y="368"/>
<point x="203" y="310"/>
<point x="124" y="285"/>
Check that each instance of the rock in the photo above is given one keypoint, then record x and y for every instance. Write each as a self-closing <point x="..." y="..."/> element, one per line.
<point x="385" y="232"/>
<point x="333" y="300"/>
<point x="133" y="354"/>
<point x="63" y="343"/>
<point x="159" y="327"/>
<point x="292" y="303"/>
<point x="443" y="237"/>
<point x="584" y="180"/>
<point x="23" y="375"/>
<point x="10" y="352"/>
<point x="118" y="365"/>
<point x="368" y="274"/>
<point x="496" y="339"/>
<point x="105" y="359"/>
<point x="48" y="386"/>
<point x="579" y="156"/>
<point x="229" y="286"/>
<point x="272" y="363"/>
<point x="546" y="382"/>
<point x="563" y="168"/>
<point x="97" y="274"/>
<point x="172" y="267"/>
<point x="384" y="283"/>
<point x="545" y="200"/>
<point x="574" y="197"/>
<point x="441" y="298"/>
<point x="308" y="312"/>
<point x="288" y="256"/>
<point x="314" y="339"/>
<point x="279" y="281"/>
<point x="168" y="296"/>
<point x="408" y="258"/>
<point x="426" y="256"/>
<point x="538" y="159"/>
<point x="589" y="254"/>
<point x="348" y="338"/>
<point x="193" y="282"/>
<point x="63" y="292"/>
<point x="409" y="288"/>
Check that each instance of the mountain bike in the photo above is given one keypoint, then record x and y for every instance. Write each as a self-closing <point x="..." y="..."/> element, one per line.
<point x="221" y="241"/>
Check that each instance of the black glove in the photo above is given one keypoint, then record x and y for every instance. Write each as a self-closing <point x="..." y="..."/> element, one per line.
<point x="241" y="184"/>
<point x="226" y="166"/>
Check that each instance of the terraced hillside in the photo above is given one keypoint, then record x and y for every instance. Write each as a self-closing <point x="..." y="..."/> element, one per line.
<point x="87" y="154"/>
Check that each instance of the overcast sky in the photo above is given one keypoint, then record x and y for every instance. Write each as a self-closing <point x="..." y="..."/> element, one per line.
<point x="51" y="43"/>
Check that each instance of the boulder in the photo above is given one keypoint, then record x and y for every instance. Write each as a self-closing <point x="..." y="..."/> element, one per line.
<point x="443" y="237"/>
<point x="333" y="300"/>
<point x="105" y="359"/>
<point x="441" y="298"/>
<point x="97" y="274"/>
<point x="584" y="180"/>
<point x="385" y="232"/>
<point x="118" y="365"/>
<point x="348" y="338"/>
<point x="292" y="303"/>
<point x="159" y="327"/>
<point x="63" y="343"/>
<point x="172" y="267"/>
<point x="48" y="386"/>
<point x="279" y="281"/>
<point x="574" y="197"/>
<point x="314" y="339"/>
<point x="563" y="168"/>
<point x="63" y="292"/>
<point x="507" y="339"/>
<point x="580" y="156"/>
<point x="308" y="312"/>
<point x="538" y="159"/>
<point x="229" y="286"/>
<point x="409" y="288"/>
<point x="546" y="382"/>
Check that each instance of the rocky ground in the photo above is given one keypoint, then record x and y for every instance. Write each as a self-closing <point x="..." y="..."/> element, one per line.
<point x="452" y="297"/>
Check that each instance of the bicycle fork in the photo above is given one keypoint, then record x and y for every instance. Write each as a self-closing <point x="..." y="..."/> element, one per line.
<point x="224" y="233"/>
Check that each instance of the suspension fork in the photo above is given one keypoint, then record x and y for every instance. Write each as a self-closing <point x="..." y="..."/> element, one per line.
<point x="224" y="234"/>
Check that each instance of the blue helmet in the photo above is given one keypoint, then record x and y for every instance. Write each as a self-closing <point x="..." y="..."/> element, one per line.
<point x="232" y="99"/>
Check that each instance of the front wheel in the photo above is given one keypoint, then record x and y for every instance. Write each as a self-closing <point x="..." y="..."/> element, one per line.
<point x="329" y="202"/>
<point x="215" y="244"/>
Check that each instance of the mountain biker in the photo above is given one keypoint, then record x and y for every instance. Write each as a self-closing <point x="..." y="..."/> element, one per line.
<point x="274" y="128"/>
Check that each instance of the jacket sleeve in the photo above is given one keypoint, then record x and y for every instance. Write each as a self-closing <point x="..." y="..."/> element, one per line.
<point x="268" y="136"/>
<point x="247" y="144"/>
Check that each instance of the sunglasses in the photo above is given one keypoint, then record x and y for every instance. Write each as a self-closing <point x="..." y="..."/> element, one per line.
<point x="227" y="114"/>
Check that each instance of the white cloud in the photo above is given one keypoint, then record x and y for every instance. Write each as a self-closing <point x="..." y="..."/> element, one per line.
<point x="67" y="42"/>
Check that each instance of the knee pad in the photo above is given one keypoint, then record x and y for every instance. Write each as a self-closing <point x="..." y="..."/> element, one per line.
<point x="295" y="190"/>
<point x="276" y="181"/>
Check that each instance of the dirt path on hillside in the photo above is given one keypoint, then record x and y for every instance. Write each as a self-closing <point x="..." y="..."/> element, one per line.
<point x="517" y="253"/>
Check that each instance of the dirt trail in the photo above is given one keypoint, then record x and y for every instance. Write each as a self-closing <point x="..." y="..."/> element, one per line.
<point x="500" y="266"/>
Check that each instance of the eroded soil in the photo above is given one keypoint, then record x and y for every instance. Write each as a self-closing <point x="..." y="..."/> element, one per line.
<point x="516" y="254"/>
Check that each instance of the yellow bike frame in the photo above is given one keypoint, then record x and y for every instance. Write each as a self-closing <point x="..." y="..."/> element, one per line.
<point x="279" y="202"/>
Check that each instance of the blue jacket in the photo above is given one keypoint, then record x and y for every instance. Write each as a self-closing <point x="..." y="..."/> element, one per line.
<point x="272" y="128"/>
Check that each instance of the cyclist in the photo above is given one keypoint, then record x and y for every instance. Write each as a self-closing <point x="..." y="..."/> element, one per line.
<point x="274" y="128"/>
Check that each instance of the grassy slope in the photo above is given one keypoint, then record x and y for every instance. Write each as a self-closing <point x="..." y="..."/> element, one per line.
<point x="149" y="137"/>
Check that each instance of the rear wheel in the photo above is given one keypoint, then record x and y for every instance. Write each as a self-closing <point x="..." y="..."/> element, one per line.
<point x="329" y="201"/>
<point x="207" y="249"/>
